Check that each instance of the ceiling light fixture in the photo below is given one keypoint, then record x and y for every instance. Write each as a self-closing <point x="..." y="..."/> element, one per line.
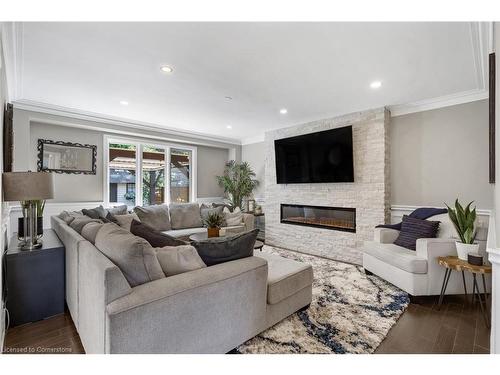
<point x="283" y="111"/>
<point x="166" y="69"/>
<point x="123" y="102"/>
<point x="228" y="97"/>
<point x="375" y="84"/>
<point x="229" y="127"/>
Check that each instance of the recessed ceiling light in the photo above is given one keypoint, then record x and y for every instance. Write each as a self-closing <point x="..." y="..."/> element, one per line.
<point x="229" y="127"/>
<point x="229" y="97"/>
<point x="166" y="69"/>
<point x="123" y="102"/>
<point x="375" y="84"/>
<point x="283" y="111"/>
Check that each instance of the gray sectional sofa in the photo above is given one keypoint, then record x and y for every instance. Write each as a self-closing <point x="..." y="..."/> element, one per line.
<point x="210" y="310"/>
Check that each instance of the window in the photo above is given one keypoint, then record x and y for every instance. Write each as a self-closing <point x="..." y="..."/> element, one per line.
<point x="122" y="165"/>
<point x="153" y="175"/>
<point x="180" y="162"/>
<point x="146" y="174"/>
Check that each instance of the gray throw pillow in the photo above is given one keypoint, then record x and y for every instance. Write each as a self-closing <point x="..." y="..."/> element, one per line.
<point x="125" y="220"/>
<point x="155" y="238"/>
<point x="155" y="216"/>
<point x="179" y="259"/>
<point x="205" y="211"/>
<point x="224" y="249"/>
<point x="133" y="255"/>
<point x="95" y="213"/>
<point x="118" y="210"/>
<point x="89" y="231"/>
<point x="69" y="216"/>
<point x="185" y="215"/>
<point x="80" y="222"/>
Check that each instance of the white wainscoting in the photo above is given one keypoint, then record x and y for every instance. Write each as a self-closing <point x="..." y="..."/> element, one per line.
<point x="56" y="208"/>
<point x="483" y="216"/>
<point x="50" y="210"/>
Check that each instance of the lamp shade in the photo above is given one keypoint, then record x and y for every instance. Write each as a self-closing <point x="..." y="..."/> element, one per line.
<point x="27" y="186"/>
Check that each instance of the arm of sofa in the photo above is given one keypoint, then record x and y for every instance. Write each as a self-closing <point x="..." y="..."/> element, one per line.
<point x="210" y="310"/>
<point x="385" y="235"/>
<point x="249" y="222"/>
<point x="431" y="248"/>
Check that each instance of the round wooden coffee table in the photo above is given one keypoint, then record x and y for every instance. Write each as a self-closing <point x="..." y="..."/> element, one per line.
<point x="453" y="263"/>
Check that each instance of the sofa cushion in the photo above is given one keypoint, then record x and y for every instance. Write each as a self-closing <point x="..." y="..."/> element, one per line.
<point x="179" y="259"/>
<point x="80" y="222"/>
<point x="125" y="220"/>
<point x="133" y="255"/>
<point x="89" y="231"/>
<point x="233" y="218"/>
<point x="224" y="249"/>
<point x="155" y="216"/>
<point x="285" y="277"/>
<point x="412" y="229"/>
<point x="397" y="256"/>
<point x="185" y="215"/>
<point x="181" y="233"/>
<point x="155" y="238"/>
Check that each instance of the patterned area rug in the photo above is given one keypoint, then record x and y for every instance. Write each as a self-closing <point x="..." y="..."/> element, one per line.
<point x="350" y="312"/>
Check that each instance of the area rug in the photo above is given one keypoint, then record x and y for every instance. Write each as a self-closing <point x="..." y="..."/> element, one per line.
<point x="350" y="312"/>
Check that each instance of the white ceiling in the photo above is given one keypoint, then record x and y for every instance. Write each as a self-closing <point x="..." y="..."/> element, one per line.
<point x="315" y="70"/>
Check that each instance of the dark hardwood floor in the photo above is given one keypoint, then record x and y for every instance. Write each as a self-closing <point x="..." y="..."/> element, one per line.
<point x="458" y="327"/>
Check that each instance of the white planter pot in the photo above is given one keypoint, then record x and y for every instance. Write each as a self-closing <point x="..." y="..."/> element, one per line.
<point x="463" y="249"/>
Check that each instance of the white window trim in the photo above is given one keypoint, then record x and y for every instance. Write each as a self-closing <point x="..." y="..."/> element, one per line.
<point x="139" y="142"/>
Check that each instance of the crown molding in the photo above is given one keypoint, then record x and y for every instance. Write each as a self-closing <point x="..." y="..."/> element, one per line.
<point x="29" y="105"/>
<point x="255" y="139"/>
<point x="439" y="102"/>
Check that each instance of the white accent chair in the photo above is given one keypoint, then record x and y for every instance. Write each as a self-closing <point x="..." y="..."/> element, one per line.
<point x="417" y="272"/>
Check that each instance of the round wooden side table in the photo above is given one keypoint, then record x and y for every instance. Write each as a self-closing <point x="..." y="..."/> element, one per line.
<point x="453" y="263"/>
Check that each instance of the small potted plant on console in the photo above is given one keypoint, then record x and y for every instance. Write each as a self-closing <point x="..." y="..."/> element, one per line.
<point x="214" y="222"/>
<point x="463" y="219"/>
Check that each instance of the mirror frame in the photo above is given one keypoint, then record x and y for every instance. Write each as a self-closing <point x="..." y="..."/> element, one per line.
<point x="42" y="142"/>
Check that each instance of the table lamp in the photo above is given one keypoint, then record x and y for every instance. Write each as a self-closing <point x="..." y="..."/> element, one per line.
<point x="28" y="187"/>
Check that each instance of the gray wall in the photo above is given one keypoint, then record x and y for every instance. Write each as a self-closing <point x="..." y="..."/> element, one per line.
<point x="255" y="155"/>
<point x="441" y="154"/>
<point x="435" y="156"/>
<point x="30" y="126"/>
<point x="211" y="163"/>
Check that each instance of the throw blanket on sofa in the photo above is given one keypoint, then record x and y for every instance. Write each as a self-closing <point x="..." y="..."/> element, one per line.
<point x="421" y="213"/>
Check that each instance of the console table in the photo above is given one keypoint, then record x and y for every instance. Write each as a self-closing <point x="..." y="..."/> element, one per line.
<point x="35" y="280"/>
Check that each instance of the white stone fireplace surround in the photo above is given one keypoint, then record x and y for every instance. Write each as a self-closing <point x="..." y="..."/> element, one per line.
<point x="369" y="193"/>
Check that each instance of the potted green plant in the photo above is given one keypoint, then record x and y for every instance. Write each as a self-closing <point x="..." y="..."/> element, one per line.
<point x="463" y="219"/>
<point x="214" y="221"/>
<point x="238" y="182"/>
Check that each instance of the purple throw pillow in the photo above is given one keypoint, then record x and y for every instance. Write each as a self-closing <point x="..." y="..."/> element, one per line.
<point x="413" y="229"/>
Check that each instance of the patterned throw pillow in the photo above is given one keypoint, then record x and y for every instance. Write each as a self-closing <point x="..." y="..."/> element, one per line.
<point x="413" y="229"/>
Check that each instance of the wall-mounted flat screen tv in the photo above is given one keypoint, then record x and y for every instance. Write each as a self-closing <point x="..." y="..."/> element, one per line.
<point x="320" y="157"/>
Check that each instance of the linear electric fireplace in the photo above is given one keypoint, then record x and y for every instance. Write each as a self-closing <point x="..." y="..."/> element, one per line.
<point x="336" y="218"/>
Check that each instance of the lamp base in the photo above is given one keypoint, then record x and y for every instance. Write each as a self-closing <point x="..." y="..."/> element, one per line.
<point x="27" y="246"/>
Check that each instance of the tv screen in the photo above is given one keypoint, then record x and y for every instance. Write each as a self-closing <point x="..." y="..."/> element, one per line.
<point x="317" y="157"/>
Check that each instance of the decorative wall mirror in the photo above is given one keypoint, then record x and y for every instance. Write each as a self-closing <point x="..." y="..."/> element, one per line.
<point x="66" y="157"/>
